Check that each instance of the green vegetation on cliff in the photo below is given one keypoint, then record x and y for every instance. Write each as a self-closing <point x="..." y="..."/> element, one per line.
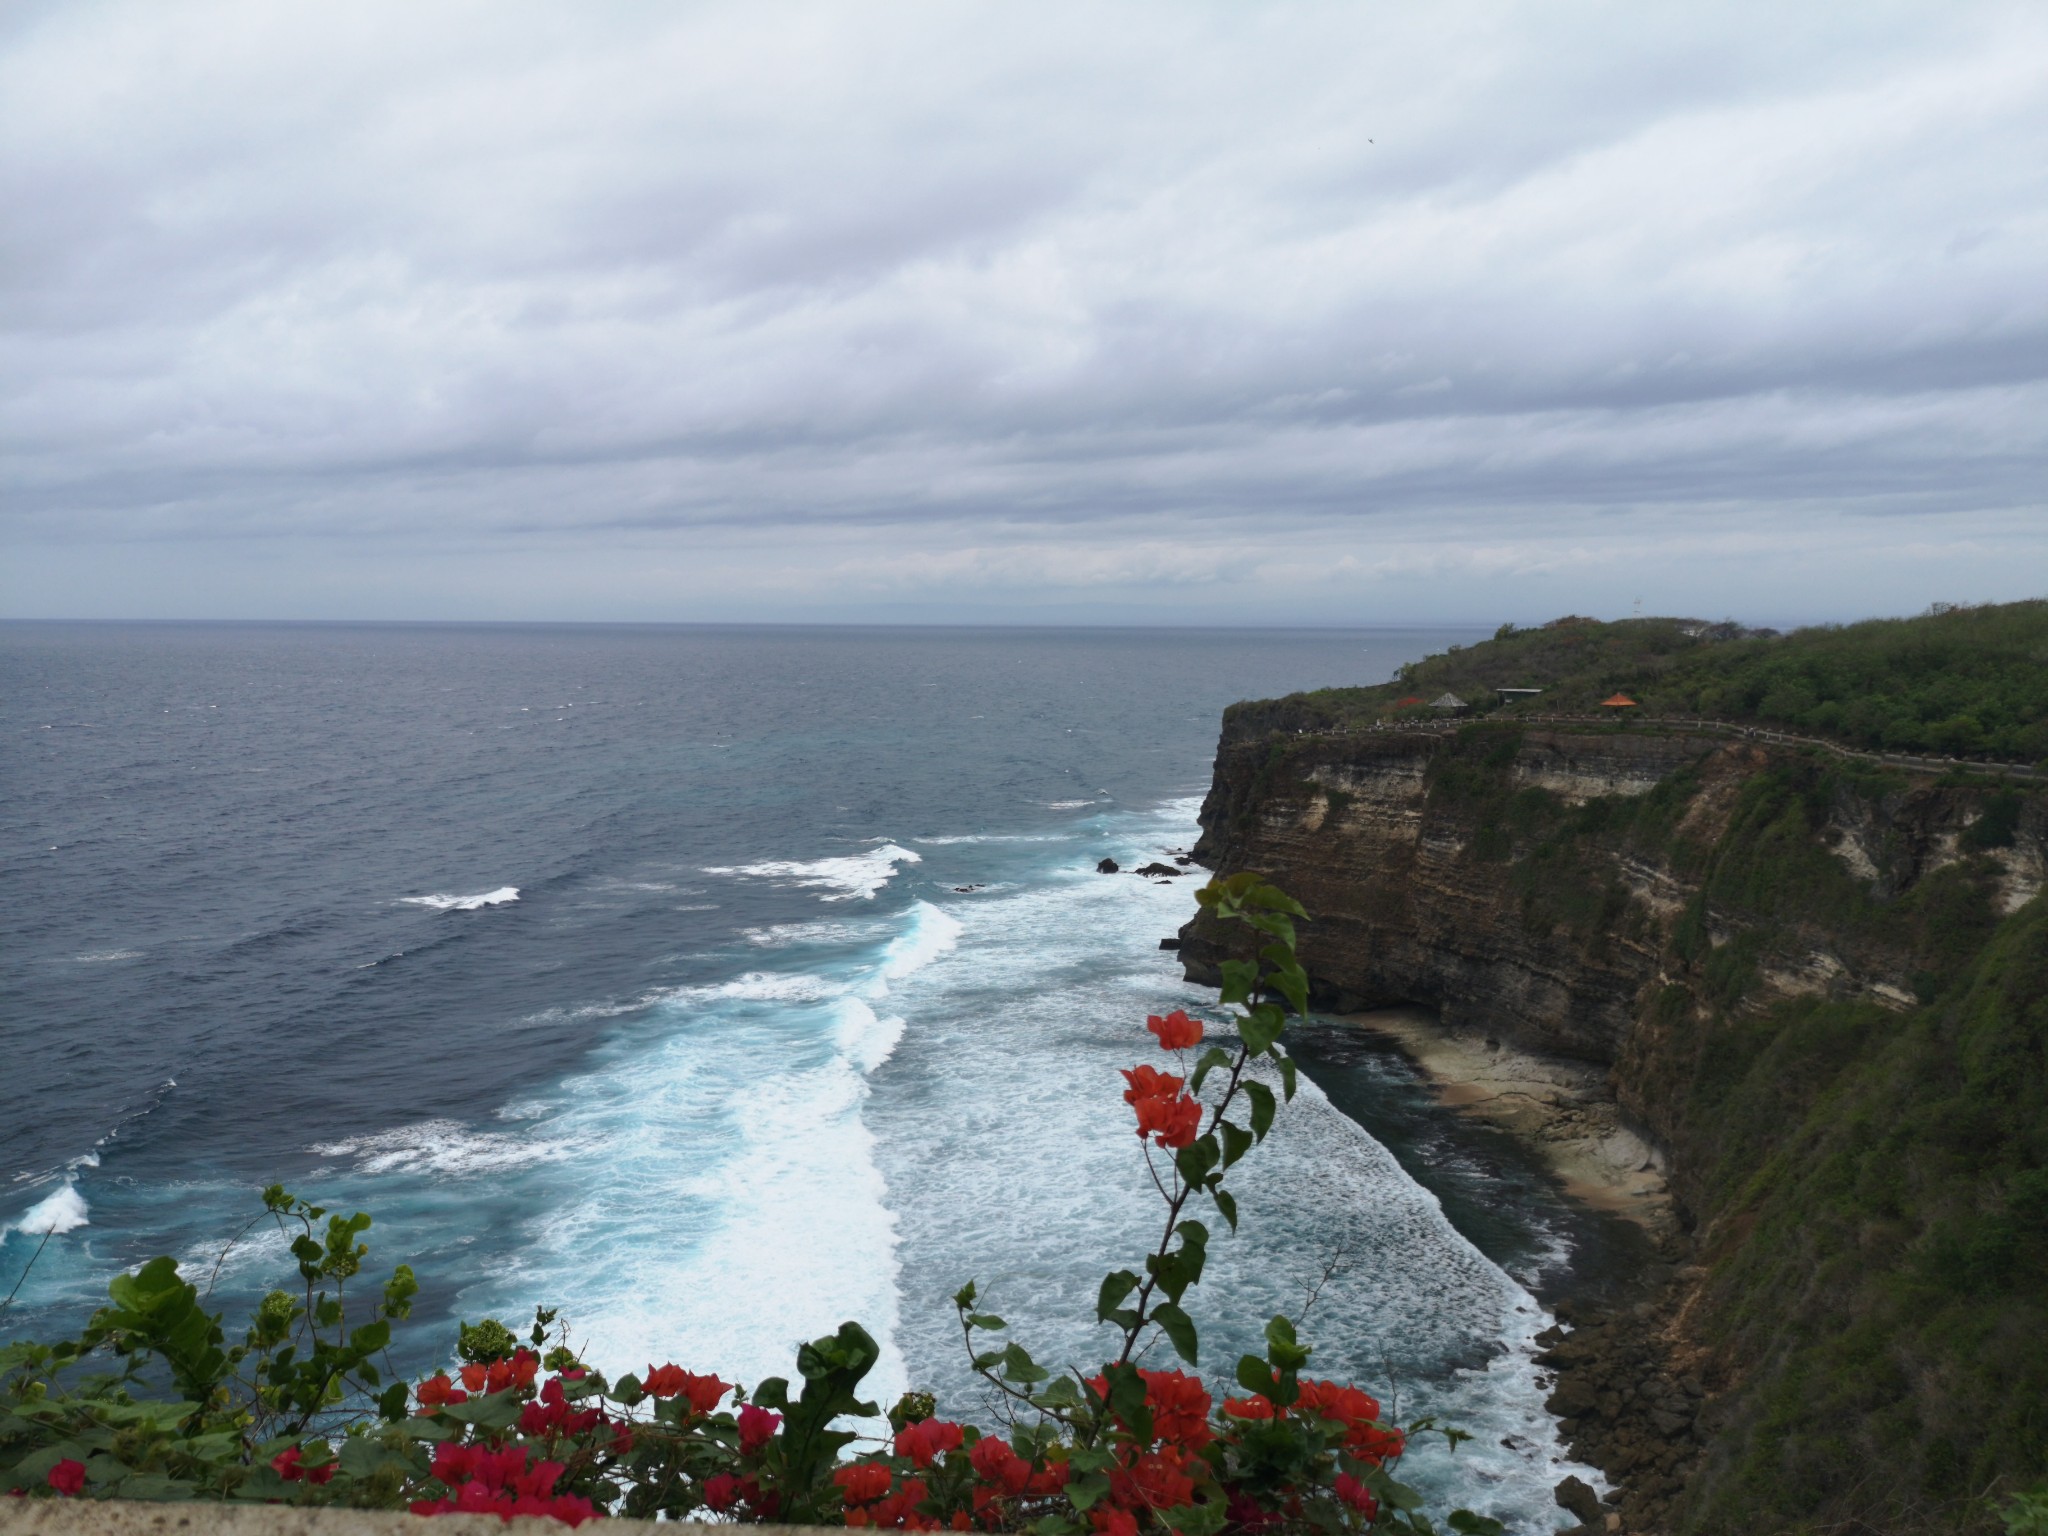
<point x="1867" y="1174"/>
<point x="1968" y="681"/>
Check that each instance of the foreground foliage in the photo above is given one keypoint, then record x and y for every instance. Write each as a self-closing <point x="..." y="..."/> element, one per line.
<point x="152" y="1402"/>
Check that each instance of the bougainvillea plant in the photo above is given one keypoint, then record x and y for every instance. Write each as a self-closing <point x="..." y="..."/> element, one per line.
<point x="152" y="1402"/>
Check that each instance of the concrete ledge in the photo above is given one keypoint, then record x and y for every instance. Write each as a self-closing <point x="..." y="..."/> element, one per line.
<point x="115" y="1517"/>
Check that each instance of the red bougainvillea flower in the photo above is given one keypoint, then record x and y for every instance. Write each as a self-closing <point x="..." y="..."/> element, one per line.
<point x="1180" y="1408"/>
<point x="863" y="1483"/>
<point x="1154" y="1480"/>
<point x="1248" y="1407"/>
<point x="898" y="1511"/>
<point x="1247" y="1514"/>
<point x="1176" y="1031"/>
<point x="925" y="1441"/>
<point x="1149" y="1082"/>
<point x="995" y="1462"/>
<point x="757" y="1428"/>
<point x="662" y="1380"/>
<point x="438" y="1391"/>
<point x="518" y="1372"/>
<point x="721" y="1492"/>
<point x="701" y="1392"/>
<point x="286" y="1465"/>
<point x="1358" y="1412"/>
<point x="1111" y="1521"/>
<point x="1170" y="1122"/>
<point x="552" y="1415"/>
<point x="1357" y="1495"/>
<point x="67" y="1477"/>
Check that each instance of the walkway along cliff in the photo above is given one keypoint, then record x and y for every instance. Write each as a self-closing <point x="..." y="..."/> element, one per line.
<point x="1816" y="986"/>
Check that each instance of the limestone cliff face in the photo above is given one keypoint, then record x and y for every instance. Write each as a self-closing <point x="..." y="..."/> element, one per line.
<point x="1576" y="894"/>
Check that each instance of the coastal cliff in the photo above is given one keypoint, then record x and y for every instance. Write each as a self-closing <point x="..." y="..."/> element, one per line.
<point x="1814" y="986"/>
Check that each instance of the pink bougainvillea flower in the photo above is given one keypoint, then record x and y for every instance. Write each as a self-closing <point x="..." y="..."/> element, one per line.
<point x="1176" y="1031"/>
<point x="67" y="1477"/>
<point x="757" y="1428"/>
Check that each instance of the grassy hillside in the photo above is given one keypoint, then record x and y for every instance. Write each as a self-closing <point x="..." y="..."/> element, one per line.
<point x="1968" y="681"/>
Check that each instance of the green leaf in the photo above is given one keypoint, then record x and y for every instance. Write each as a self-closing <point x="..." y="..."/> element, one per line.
<point x="1260" y="1029"/>
<point x="1115" y="1287"/>
<point x="1179" y="1327"/>
<point x="1127" y="1399"/>
<point x="964" y="1297"/>
<point x="1084" y="1492"/>
<point x="1018" y="1366"/>
<point x="1236" y="1141"/>
<point x="1287" y="1077"/>
<point x="500" y="1410"/>
<point x="1282" y="1348"/>
<point x="1213" y="1058"/>
<point x="1261" y="1098"/>
<point x="1226" y="1202"/>
<point x="1061" y="1395"/>
<point x="1468" y="1524"/>
<point x="987" y="1320"/>
<point x="1195" y="1519"/>
<point x="1196" y="1159"/>
<point x="1240" y="979"/>
<point x="1254" y="1375"/>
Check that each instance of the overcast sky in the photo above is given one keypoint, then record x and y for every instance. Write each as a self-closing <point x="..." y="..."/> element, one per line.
<point x="1109" y="312"/>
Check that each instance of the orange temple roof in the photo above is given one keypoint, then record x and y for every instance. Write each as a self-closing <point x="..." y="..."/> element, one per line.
<point x="1619" y="701"/>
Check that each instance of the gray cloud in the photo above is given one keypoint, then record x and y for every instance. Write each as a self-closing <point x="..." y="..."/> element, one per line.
<point x="941" y="310"/>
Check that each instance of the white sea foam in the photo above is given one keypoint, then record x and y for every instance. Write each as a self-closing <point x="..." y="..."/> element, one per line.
<point x="62" y="1210"/>
<point x="1070" y="805"/>
<point x="444" y="1147"/>
<point x="106" y="956"/>
<point x="930" y="934"/>
<point x="1028" y="1179"/>
<point x="724" y="1204"/>
<point x="502" y="896"/>
<point x="994" y="837"/>
<point x="861" y="1036"/>
<point x="847" y="878"/>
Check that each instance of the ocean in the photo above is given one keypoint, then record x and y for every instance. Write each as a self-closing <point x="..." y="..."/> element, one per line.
<point x="711" y="984"/>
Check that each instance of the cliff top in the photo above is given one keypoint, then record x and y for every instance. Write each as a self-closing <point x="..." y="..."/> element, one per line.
<point x="1970" y="681"/>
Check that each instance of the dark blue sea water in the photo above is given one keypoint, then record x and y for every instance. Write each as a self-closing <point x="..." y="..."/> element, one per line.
<point x="712" y="984"/>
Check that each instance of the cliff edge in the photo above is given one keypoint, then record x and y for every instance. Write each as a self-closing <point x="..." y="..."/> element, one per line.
<point x="1815" y="987"/>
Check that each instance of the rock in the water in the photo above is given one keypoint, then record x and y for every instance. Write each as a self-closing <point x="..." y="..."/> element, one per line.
<point x="1579" y="1499"/>
<point x="1156" y="868"/>
<point x="1107" y="867"/>
<point x="1169" y="943"/>
<point x="1183" y="858"/>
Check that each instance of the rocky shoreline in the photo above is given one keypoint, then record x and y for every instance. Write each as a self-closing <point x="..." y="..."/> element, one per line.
<point x="1630" y="1393"/>
<point x="1563" y="1109"/>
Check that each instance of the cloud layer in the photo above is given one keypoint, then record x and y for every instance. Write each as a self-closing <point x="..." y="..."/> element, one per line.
<point x="936" y="310"/>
